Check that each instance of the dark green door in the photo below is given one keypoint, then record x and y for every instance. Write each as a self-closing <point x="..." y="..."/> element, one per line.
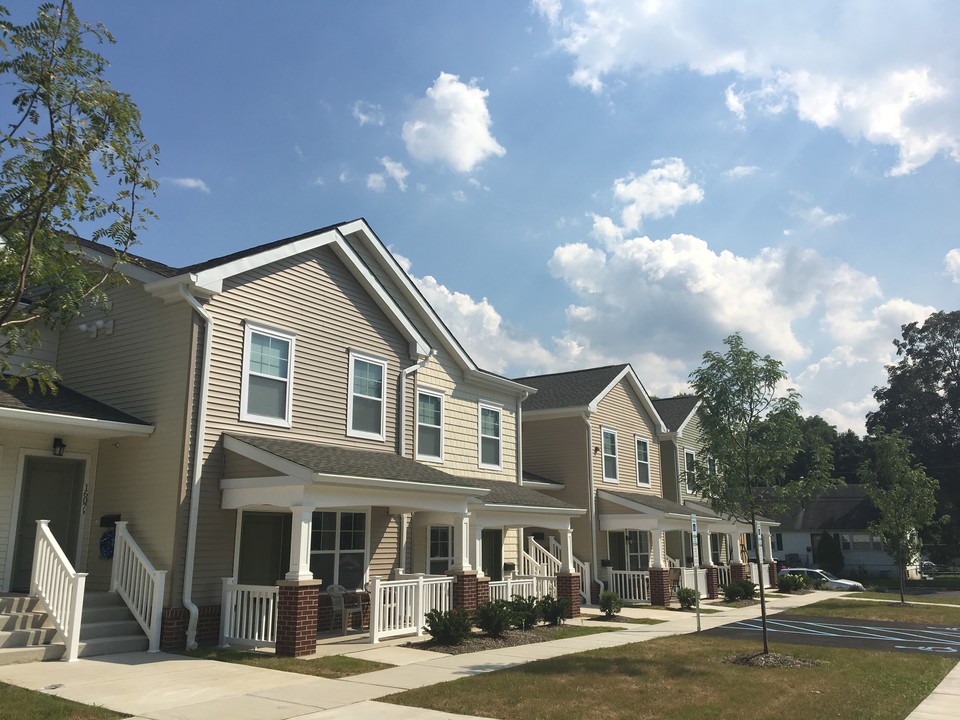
<point x="52" y="489"/>
<point x="491" y="544"/>
<point x="264" y="548"/>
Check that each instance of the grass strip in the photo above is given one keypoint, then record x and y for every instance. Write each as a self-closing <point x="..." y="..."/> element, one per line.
<point x="17" y="703"/>
<point x="331" y="666"/>
<point x="895" y="597"/>
<point x="895" y="612"/>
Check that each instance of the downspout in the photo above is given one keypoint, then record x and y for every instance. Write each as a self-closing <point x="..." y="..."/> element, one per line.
<point x="197" y="469"/>
<point x="519" y="448"/>
<point x="403" y="398"/>
<point x="592" y="505"/>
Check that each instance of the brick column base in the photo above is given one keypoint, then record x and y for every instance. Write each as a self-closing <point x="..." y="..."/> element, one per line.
<point x="465" y="589"/>
<point x="773" y="574"/>
<point x="740" y="572"/>
<point x="568" y="586"/>
<point x="594" y="592"/>
<point x="660" y="586"/>
<point x="297" y="608"/>
<point x="483" y="591"/>
<point x="713" y="582"/>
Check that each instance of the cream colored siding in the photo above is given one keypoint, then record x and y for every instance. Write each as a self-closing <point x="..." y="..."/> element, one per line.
<point x="45" y="352"/>
<point x="692" y="440"/>
<point x="384" y="543"/>
<point x="142" y="368"/>
<point x="622" y="411"/>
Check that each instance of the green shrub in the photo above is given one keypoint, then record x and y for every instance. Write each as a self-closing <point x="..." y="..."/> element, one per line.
<point x="526" y="611"/>
<point x="554" y="610"/>
<point x="687" y="597"/>
<point x="494" y="618"/>
<point x="449" y="627"/>
<point x="791" y="583"/>
<point x="610" y="603"/>
<point x="739" y="590"/>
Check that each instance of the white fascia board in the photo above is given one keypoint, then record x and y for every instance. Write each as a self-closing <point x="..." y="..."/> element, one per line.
<point x="689" y="417"/>
<point x="555" y="413"/>
<point x="386" y="303"/>
<point x="628" y="522"/>
<point x="493" y="518"/>
<point x="641" y="393"/>
<point x="168" y="289"/>
<point x="535" y="485"/>
<point x="87" y="427"/>
<point x="131" y="270"/>
<point x="254" y="482"/>
<point x="534" y="509"/>
<point x="400" y="485"/>
<point x="405" y="284"/>
<point x="494" y="382"/>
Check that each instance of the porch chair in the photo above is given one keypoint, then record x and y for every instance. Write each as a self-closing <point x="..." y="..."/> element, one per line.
<point x="344" y="608"/>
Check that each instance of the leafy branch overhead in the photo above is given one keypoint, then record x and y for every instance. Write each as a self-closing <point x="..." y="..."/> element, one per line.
<point x="71" y="154"/>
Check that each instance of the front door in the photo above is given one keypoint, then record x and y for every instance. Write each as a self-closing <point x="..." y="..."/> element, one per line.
<point x="264" y="548"/>
<point x="491" y="544"/>
<point x="52" y="489"/>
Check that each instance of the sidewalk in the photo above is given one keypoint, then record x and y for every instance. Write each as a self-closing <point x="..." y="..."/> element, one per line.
<point x="159" y="686"/>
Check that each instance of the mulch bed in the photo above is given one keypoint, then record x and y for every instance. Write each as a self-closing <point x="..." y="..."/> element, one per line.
<point x="771" y="660"/>
<point x="478" y="642"/>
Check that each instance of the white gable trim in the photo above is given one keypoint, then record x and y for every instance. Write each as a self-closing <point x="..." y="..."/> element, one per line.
<point x="641" y="393"/>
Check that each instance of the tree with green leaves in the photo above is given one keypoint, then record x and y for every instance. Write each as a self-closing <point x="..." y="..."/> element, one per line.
<point x="752" y="434"/>
<point x="922" y="401"/>
<point x="72" y="154"/>
<point x="904" y="495"/>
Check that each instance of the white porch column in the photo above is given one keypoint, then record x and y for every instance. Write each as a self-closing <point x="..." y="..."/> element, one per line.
<point x="733" y="548"/>
<point x="656" y="549"/>
<point x="566" y="550"/>
<point x="767" y="546"/>
<point x="706" y="557"/>
<point x="476" y="550"/>
<point x="461" y="542"/>
<point x="300" y="531"/>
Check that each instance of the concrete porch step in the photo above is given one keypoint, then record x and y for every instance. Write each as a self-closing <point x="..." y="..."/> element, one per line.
<point x="113" y="645"/>
<point x="23" y="620"/>
<point x="36" y="653"/>
<point x="109" y="628"/>
<point x="17" y="603"/>
<point x="23" y="638"/>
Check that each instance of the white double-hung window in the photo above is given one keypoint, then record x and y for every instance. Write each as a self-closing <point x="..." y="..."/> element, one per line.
<point x="429" y="425"/>
<point x="690" y="470"/>
<point x="366" y="405"/>
<point x="643" y="462"/>
<point x="490" y="437"/>
<point x="267" y="385"/>
<point x="609" y="455"/>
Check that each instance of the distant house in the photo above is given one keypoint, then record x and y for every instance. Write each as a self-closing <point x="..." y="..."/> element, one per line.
<point x="844" y="512"/>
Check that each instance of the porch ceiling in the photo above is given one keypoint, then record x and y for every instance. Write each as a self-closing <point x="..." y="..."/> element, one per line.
<point x="66" y="411"/>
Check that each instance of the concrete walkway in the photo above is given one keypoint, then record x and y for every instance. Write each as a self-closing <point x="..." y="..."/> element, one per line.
<point x="172" y="687"/>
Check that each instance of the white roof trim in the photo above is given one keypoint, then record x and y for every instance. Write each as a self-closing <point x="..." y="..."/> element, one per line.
<point x="131" y="270"/>
<point x="639" y="389"/>
<point x="89" y="427"/>
<point x="688" y="418"/>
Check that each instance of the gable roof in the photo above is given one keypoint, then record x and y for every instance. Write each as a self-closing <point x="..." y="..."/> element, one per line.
<point x="582" y="390"/>
<point x="676" y="411"/>
<point x="845" y="507"/>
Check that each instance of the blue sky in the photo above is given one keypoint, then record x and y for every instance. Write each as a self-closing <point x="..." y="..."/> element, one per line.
<point x="580" y="183"/>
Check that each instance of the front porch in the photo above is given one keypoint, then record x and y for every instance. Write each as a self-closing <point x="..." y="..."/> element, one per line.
<point x="313" y="524"/>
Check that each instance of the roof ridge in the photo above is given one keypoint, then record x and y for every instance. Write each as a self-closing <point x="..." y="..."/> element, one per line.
<point x="574" y="372"/>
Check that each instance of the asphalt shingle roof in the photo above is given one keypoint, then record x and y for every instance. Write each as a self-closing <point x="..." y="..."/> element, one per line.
<point x="350" y="462"/>
<point x="846" y="507"/>
<point x="65" y="402"/>
<point x="674" y="411"/>
<point x="657" y="503"/>
<point x="568" y="389"/>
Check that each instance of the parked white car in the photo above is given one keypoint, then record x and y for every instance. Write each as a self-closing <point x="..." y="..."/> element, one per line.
<point x="829" y="580"/>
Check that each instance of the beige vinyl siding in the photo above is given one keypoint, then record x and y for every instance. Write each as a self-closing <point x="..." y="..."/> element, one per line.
<point x="690" y="439"/>
<point x="384" y="543"/>
<point x="13" y="445"/>
<point x="142" y="368"/>
<point x="622" y="411"/>
<point x="45" y="352"/>
<point x="669" y="472"/>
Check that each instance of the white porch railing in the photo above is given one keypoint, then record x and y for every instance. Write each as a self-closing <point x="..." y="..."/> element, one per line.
<point x="249" y="615"/>
<point x="754" y="575"/>
<point x="583" y="568"/>
<point x="724" y="575"/>
<point x="134" y="579"/>
<point x="631" y="585"/>
<point x="538" y="560"/>
<point x="59" y="588"/>
<point x="538" y="586"/>
<point x="399" y="607"/>
<point x="687" y="581"/>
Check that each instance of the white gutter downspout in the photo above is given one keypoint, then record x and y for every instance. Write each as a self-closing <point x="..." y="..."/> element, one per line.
<point x="197" y="469"/>
<point x="592" y="505"/>
<point x="403" y="397"/>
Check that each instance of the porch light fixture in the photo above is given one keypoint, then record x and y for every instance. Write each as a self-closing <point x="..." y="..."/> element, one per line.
<point x="58" y="447"/>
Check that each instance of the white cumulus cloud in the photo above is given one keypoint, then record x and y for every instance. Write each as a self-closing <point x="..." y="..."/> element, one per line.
<point x="883" y="72"/>
<point x="451" y="125"/>
<point x="952" y="261"/>
<point x="189" y="183"/>
<point x="367" y="113"/>
<point x="741" y="171"/>
<point x="661" y="191"/>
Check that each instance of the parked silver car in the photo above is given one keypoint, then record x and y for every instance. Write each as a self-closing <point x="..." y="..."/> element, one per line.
<point x="829" y="580"/>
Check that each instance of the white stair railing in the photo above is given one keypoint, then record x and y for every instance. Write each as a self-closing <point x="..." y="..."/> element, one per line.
<point x="59" y="588"/>
<point x="542" y="561"/>
<point x="581" y="567"/>
<point x="138" y="583"/>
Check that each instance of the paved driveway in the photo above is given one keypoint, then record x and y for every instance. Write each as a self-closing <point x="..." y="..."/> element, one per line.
<point x="842" y="632"/>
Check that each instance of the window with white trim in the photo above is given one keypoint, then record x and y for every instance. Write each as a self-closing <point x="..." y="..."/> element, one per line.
<point x="429" y="425"/>
<point x="440" y="550"/>
<point x="367" y="406"/>
<point x="690" y="470"/>
<point x="338" y="548"/>
<point x="609" y="441"/>
<point x="267" y="384"/>
<point x="490" y="438"/>
<point x="643" y="462"/>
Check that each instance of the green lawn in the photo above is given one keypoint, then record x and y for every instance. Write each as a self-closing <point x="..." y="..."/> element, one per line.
<point x="842" y="607"/>
<point x="334" y="666"/>
<point x="684" y="677"/>
<point x="894" y="596"/>
<point x="17" y="703"/>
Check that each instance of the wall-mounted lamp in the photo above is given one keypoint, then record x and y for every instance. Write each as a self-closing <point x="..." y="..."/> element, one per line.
<point x="58" y="447"/>
<point x="596" y="449"/>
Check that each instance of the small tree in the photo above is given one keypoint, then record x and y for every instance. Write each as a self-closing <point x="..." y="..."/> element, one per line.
<point x="752" y="433"/>
<point x="904" y="495"/>
<point x="67" y="134"/>
<point x="829" y="553"/>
